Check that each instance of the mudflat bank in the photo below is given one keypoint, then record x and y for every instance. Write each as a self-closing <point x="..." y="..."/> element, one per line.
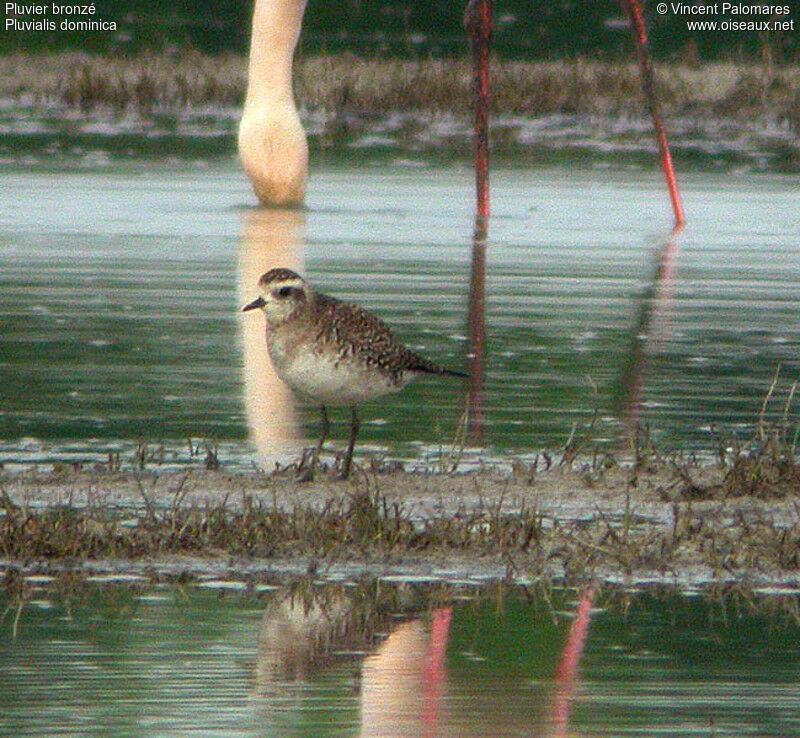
<point x="654" y="520"/>
<point x="720" y="114"/>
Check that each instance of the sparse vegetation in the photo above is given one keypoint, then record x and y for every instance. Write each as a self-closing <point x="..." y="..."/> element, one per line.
<point x="527" y="523"/>
<point x="765" y="467"/>
<point x="187" y="104"/>
<point x="345" y="84"/>
<point x="573" y="515"/>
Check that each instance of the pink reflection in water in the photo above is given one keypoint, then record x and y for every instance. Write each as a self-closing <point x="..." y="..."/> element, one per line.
<point x="402" y="683"/>
<point x="271" y="237"/>
<point x="650" y="330"/>
<point x="567" y="671"/>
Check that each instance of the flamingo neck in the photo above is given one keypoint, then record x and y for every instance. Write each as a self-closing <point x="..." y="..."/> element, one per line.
<point x="276" y="30"/>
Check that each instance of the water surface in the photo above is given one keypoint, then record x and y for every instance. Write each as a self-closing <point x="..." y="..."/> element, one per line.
<point x="399" y="660"/>
<point x="122" y="284"/>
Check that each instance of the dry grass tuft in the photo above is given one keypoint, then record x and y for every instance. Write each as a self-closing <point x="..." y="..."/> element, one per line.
<point x="765" y="467"/>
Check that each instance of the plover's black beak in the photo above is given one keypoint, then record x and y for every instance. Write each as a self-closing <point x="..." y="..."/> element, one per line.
<point x="259" y="302"/>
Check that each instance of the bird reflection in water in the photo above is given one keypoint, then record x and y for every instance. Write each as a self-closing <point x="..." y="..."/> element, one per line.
<point x="271" y="237"/>
<point x="403" y="687"/>
<point x="298" y="632"/>
<point x="401" y="681"/>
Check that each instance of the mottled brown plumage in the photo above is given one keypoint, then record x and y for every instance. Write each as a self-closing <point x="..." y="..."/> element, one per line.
<point x="356" y="335"/>
<point x="331" y="351"/>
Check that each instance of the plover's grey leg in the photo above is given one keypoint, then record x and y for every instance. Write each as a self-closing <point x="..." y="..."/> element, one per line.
<point x="310" y="458"/>
<point x="325" y="427"/>
<point x="348" y="459"/>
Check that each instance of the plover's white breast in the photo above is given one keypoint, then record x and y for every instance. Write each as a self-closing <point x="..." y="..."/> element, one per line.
<point x="330" y="382"/>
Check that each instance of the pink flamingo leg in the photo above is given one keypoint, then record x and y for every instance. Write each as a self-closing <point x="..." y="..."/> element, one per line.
<point x="634" y="11"/>
<point x="478" y="22"/>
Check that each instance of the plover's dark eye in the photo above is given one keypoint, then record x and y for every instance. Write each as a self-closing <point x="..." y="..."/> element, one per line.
<point x="285" y="291"/>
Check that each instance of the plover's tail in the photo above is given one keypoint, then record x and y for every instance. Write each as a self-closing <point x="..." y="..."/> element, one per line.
<point x="429" y="367"/>
<point x="453" y="373"/>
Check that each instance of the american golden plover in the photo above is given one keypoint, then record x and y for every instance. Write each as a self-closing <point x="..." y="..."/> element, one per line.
<point x="333" y="352"/>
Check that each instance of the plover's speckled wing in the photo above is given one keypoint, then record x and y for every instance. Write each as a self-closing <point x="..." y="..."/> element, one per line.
<point x="354" y="333"/>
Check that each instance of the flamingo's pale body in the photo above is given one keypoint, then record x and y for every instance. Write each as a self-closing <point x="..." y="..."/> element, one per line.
<point x="272" y="142"/>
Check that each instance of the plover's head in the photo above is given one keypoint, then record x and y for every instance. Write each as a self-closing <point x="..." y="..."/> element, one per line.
<point x="283" y="292"/>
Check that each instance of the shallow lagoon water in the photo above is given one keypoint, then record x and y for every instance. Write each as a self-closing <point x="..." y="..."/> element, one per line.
<point x="397" y="659"/>
<point x="120" y="299"/>
<point x="121" y="289"/>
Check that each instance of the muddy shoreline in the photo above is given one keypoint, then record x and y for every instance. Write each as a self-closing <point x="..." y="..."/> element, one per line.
<point x="187" y="105"/>
<point x="350" y="84"/>
<point x="656" y="523"/>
